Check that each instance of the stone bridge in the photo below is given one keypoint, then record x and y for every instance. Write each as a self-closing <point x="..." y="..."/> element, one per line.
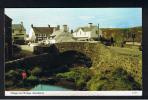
<point x="103" y="58"/>
<point x="87" y="48"/>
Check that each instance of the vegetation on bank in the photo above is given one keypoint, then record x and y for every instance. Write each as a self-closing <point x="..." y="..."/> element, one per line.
<point x="113" y="68"/>
<point x="85" y="79"/>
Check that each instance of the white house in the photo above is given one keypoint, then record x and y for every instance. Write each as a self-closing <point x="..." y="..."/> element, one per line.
<point x="40" y="33"/>
<point x="87" y="33"/>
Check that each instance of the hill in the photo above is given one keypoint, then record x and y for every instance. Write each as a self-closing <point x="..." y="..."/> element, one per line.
<point x="123" y="34"/>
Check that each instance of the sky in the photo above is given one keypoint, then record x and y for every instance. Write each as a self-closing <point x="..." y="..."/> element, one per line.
<point x="76" y="17"/>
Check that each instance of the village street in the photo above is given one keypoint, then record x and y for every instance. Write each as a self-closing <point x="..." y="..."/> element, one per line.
<point x="27" y="48"/>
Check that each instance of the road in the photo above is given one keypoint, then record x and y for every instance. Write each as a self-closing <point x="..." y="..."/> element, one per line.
<point x="27" y="48"/>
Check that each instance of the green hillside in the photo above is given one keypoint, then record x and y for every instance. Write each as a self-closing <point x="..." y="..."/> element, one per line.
<point x="123" y="34"/>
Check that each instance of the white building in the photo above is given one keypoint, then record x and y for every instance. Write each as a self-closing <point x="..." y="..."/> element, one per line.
<point x="37" y="34"/>
<point x="87" y="33"/>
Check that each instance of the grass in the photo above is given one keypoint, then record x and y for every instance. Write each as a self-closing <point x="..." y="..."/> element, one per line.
<point x="127" y="51"/>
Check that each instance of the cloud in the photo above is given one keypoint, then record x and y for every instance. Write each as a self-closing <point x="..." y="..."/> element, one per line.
<point x="86" y="17"/>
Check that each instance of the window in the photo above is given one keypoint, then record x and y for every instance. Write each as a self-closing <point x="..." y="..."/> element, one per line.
<point x="16" y="37"/>
<point x="20" y="34"/>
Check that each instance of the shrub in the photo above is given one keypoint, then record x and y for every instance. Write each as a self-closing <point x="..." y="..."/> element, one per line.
<point x="140" y="48"/>
<point x="12" y="74"/>
<point x="36" y="71"/>
<point x="32" y="80"/>
<point x="78" y="75"/>
<point x="118" y="79"/>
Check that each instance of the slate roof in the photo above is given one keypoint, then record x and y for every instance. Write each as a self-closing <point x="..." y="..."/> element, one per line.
<point x="18" y="27"/>
<point x="93" y="30"/>
<point x="86" y="28"/>
<point x="61" y="36"/>
<point x="43" y="30"/>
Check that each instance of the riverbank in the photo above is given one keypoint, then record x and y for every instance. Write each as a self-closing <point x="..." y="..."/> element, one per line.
<point x="48" y="82"/>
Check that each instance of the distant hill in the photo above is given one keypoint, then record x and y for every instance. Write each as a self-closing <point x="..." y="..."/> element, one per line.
<point x="123" y="34"/>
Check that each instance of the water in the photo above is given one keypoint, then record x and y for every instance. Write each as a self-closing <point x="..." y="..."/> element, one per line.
<point x="42" y="87"/>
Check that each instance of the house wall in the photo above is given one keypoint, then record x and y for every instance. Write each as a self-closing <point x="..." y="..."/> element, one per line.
<point x="18" y="34"/>
<point x="32" y="36"/>
<point x="81" y="34"/>
<point x="94" y="33"/>
<point x="40" y="37"/>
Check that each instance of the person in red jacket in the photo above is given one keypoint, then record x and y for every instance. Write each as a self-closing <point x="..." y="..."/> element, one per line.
<point x="24" y="75"/>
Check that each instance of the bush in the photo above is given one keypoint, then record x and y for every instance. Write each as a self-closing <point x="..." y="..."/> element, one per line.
<point x="36" y="71"/>
<point x="140" y="48"/>
<point x="78" y="75"/>
<point x="118" y="79"/>
<point x="12" y="74"/>
<point x="32" y="80"/>
<point x="12" y="78"/>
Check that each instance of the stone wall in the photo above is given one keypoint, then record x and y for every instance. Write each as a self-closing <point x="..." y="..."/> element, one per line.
<point x="30" y="62"/>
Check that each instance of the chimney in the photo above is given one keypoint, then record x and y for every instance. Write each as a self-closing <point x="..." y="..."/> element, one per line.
<point x="32" y="25"/>
<point x="21" y="26"/>
<point x="48" y="25"/>
<point x="90" y="24"/>
<point x="21" y="23"/>
<point x="58" y="27"/>
<point x="65" y="29"/>
<point x="71" y="31"/>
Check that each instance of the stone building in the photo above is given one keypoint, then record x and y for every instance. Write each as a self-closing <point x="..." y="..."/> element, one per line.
<point x="18" y="33"/>
<point x="62" y="35"/>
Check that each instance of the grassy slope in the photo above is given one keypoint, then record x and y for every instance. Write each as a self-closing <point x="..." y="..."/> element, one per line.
<point x="124" y="62"/>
